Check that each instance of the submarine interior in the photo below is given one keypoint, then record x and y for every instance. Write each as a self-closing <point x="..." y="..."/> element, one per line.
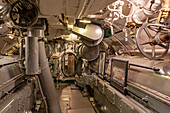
<point x="84" y="56"/>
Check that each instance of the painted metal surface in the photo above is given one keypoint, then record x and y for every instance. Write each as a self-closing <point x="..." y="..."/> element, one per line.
<point x="47" y="82"/>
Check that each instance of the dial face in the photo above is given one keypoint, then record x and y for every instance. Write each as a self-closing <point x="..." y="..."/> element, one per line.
<point x="118" y="75"/>
<point x="119" y="71"/>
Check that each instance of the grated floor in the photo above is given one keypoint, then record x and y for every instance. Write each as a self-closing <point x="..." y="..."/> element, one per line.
<point x="72" y="101"/>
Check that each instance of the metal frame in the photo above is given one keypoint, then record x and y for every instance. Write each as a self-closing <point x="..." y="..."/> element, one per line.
<point x="100" y="66"/>
<point x="116" y="84"/>
<point x="63" y="61"/>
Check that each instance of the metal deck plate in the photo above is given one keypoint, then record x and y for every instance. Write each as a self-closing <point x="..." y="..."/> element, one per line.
<point x="72" y="101"/>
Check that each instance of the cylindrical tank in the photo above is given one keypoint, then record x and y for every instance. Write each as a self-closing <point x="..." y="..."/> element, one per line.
<point x="89" y="53"/>
<point x="31" y="52"/>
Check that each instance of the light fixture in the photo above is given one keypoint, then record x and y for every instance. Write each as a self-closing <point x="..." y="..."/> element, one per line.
<point x="11" y="36"/>
<point x="72" y="36"/>
<point x="1" y="26"/>
<point x="70" y="26"/>
<point x="85" y="21"/>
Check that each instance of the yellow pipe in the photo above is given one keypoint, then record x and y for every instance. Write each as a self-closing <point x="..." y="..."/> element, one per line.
<point x="165" y="11"/>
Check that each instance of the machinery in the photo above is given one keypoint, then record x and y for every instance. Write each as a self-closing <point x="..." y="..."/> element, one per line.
<point x="116" y="53"/>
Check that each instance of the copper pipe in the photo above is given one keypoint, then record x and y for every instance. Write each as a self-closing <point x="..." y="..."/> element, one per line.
<point x="163" y="38"/>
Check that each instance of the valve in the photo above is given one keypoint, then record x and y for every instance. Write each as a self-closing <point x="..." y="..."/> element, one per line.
<point x="23" y="13"/>
<point x="153" y="40"/>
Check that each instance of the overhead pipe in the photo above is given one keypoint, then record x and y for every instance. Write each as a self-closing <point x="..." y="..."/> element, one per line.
<point x="4" y="10"/>
<point x="140" y="15"/>
<point x="89" y="53"/>
<point x="91" y="37"/>
<point x="90" y="49"/>
<point x="82" y="9"/>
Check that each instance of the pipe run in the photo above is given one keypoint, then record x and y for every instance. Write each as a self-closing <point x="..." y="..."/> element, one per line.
<point x="47" y="81"/>
<point x="140" y="15"/>
<point x="36" y="60"/>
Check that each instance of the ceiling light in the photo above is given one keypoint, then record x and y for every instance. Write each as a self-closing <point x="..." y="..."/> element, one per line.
<point x="85" y="21"/>
<point x="11" y="36"/>
<point x="70" y="26"/>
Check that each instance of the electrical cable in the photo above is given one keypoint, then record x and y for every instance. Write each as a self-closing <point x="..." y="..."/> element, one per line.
<point x="42" y="94"/>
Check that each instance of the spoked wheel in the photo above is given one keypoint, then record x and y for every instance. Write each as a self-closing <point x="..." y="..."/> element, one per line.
<point x="144" y="39"/>
<point x="23" y="13"/>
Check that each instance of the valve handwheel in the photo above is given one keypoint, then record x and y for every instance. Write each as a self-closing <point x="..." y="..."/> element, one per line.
<point x="145" y="39"/>
<point x="23" y="13"/>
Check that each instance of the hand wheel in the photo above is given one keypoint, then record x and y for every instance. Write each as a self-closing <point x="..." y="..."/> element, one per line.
<point x="144" y="39"/>
<point x="23" y="13"/>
